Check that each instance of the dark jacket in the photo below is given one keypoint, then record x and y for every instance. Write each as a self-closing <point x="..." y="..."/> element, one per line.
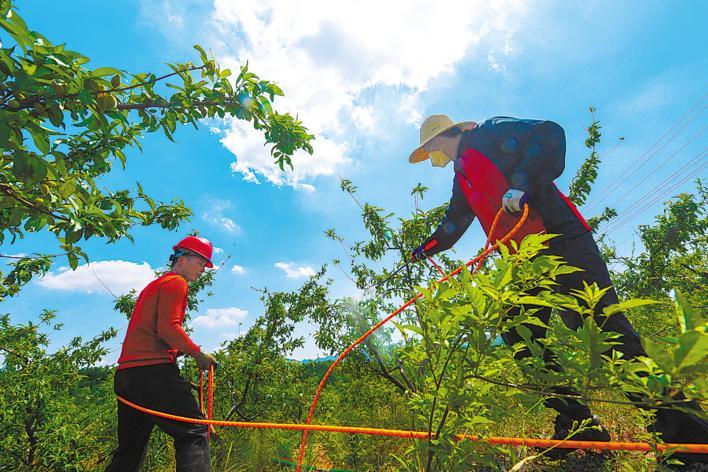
<point x="500" y="154"/>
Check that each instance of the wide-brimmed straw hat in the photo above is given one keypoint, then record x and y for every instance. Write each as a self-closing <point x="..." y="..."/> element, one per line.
<point x="431" y="127"/>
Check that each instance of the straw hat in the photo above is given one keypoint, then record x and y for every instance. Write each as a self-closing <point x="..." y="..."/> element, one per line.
<point x="431" y="127"/>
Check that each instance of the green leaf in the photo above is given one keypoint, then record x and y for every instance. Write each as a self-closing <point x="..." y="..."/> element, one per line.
<point x="692" y="349"/>
<point x="687" y="317"/>
<point x="104" y="71"/>
<point x="659" y="355"/>
<point x="202" y="53"/>
<point x="40" y="138"/>
<point x="73" y="260"/>
<point x="529" y="300"/>
<point x="627" y="305"/>
<point x="408" y="327"/>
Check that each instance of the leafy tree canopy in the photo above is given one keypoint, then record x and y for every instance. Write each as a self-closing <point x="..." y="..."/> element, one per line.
<point x="63" y="125"/>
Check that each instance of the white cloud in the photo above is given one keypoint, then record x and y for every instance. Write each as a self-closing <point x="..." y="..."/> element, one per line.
<point x="364" y="118"/>
<point x="119" y="276"/>
<point x="649" y="99"/>
<point x="220" y="317"/>
<point x="294" y="271"/>
<point x="215" y="215"/>
<point x="327" y="55"/>
<point x="218" y="250"/>
<point x="238" y="270"/>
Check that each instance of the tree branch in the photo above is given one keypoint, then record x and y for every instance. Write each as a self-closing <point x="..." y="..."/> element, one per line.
<point x="30" y="102"/>
<point x="382" y="367"/>
<point x="411" y="387"/>
<point x="540" y="390"/>
<point x="9" y="191"/>
<point x="157" y="79"/>
<point x="166" y="104"/>
<point x="10" y="351"/>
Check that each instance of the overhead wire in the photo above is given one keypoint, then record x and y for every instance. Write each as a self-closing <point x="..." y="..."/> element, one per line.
<point x="641" y="210"/>
<point x="648" y="154"/>
<point x="656" y="169"/>
<point x="653" y="195"/>
<point x="689" y="170"/>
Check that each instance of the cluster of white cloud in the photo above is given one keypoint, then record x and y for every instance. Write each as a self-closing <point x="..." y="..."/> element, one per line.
<point x="118" y="277"/>
<point x="238" y="270"/>
<point x="220" y="317"/>
<point x="294" y="271"/>
<point x="326" y="55"/>
<point x="215" y="216"/>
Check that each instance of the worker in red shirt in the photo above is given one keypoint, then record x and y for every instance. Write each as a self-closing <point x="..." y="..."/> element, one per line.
<point x="147" y="373"/>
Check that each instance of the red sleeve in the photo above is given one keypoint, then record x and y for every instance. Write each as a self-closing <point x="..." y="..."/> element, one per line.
<point x="170" y="314"/>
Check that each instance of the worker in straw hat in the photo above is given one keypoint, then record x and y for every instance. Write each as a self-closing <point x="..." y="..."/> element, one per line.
<point x="505" y="163"/>
<point x="147" y="372"/>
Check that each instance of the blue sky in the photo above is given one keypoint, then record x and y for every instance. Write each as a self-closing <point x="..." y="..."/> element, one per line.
<point x="362" y="76"/>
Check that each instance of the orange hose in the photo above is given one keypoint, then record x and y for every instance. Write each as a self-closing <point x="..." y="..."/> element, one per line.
<point x="479" y="259"/>
<point x="398" y="433"/>
<point x="424" y="435"/>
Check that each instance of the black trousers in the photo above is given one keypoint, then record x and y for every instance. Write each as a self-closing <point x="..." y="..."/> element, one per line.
<point x="158" y="387"/>
<point x="582" y="252"/>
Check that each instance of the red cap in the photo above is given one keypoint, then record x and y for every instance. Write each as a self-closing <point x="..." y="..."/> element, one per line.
<point x="198" y="245"/>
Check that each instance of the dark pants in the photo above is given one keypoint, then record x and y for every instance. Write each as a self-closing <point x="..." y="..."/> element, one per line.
<point x="161" y="388"/>
<point x="582" y="252"/>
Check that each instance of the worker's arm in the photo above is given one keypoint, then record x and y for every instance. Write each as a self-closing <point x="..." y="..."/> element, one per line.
<point x="170" y="315"/>
<point x="542" y="158"/>
<point x="457" y="219"/>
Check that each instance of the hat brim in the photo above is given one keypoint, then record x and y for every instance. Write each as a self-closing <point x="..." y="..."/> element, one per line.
<point x="420" y="155"/>
<point x="208" y="264"/>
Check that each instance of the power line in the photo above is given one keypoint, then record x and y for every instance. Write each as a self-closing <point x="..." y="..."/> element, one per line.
<point x="693" y="138"/>
<point x="695" y="173"/>
<point x="653" y="192"/>
<point x="657" y="192"/>
<point x="647" y="155"/>
<point x="694" y="167"/>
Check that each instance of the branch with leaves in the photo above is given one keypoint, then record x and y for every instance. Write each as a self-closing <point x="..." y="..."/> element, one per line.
<point x="64" y="125"/>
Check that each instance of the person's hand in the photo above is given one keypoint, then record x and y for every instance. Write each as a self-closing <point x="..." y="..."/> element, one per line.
<point x="421" y="252"/>
<point x="513" y="200"/>
<point x="418" y="254"/>
<point x="204" y="360"/>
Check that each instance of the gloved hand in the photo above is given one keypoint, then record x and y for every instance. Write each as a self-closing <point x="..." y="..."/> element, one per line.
<point x="513" y="200"/>
<point x="418" y="254"/>
<point x="204" y="360"/>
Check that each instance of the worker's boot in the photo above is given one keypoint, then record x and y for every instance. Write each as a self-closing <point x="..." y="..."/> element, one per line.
<point x="565" y="425"/>
<point x="680" y="426"/>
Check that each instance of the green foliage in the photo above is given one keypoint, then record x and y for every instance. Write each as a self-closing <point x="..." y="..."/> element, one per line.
<point x="686" y="356"/>
<point x="255" y="366"/>
<point x="43" y="406"/>
<point x="673" y="252"/>
<point x="462" y="382"/>
<point x="64" y="125"/>
<point x="606" y="215"/>
<point x="581" y="185"/>
<point x="586" y="175"/>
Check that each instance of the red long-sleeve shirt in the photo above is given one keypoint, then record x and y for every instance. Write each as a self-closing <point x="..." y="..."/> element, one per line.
<point x="155" y="334"/>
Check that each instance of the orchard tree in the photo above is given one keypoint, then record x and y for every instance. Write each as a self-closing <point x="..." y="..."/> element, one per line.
<point x="64" y="125"/>
<point x="581" y="185"/>
<point x="52" y="421"/>
<point x="673" y="253"/>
